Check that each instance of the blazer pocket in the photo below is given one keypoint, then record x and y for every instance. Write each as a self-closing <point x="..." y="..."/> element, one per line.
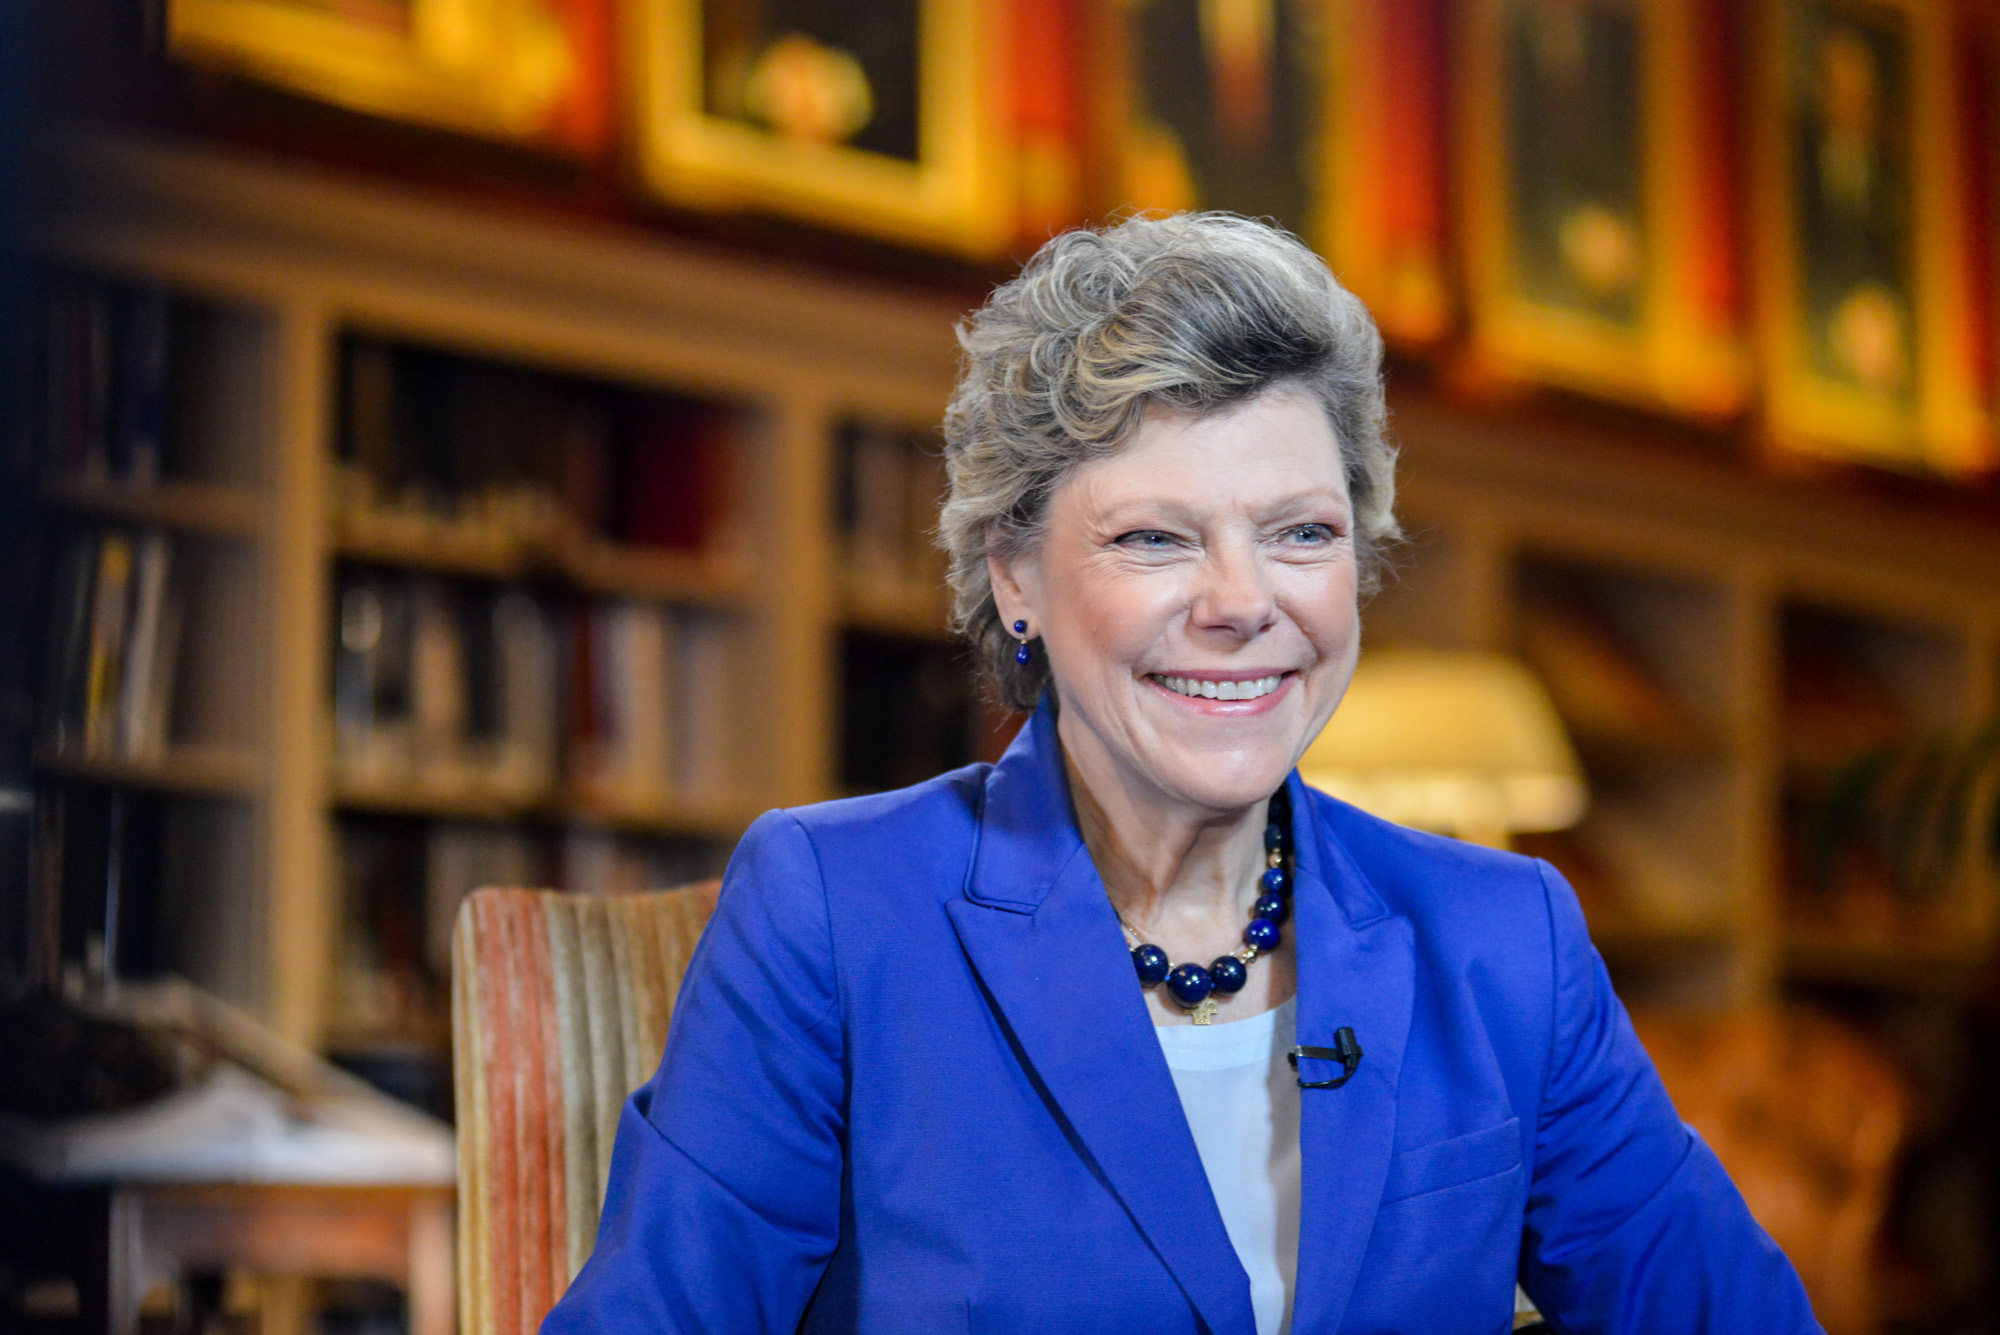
<point x="1450" y="1163"/>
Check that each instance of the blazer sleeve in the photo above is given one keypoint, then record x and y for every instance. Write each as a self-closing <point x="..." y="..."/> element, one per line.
<point x="724" y="1197"/>
<point x="1632" y="1223"/>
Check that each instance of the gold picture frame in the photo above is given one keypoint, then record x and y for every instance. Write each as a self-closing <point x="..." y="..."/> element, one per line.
<point x="503" y="68"/>
<point x="1213" y="104"/>
<point x="1586" y="225"/>
<point x="1861" y="237"/>
<point x="733" y="110"/>
<point x="1345" y="151"/>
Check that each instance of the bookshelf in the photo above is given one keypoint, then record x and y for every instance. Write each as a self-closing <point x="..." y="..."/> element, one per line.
<point x="477" y="476"/>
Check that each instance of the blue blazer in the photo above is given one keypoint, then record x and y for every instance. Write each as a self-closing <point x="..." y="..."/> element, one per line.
<point x="911" y="1085"/>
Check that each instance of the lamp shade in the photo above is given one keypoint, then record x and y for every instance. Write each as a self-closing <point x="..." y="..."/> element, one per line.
<point x="1462" y="743"/>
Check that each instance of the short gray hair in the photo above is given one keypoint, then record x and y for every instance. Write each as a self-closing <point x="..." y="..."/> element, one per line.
<point x="1193" y="312"/>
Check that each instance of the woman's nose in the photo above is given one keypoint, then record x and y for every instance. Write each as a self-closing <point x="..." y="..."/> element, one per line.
<point x="1235" y="595"/>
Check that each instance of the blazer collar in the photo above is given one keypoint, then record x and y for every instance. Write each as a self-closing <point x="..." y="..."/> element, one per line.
<point x="1356" y="969"/>
<point x="1041" y="934"/>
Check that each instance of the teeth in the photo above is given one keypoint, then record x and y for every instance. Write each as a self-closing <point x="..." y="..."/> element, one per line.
<point x="1220" y="690"/>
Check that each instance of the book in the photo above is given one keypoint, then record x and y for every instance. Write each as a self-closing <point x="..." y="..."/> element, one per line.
<point x="67" y="653"/>
<point x="147" y="676"/>
<point x="367" y="433"/>
<point x="674" y="474"/>
<point x="109" y="621"/>
<point x="372" y="653"/>
<point x="60" y="419"/>
<point x="439" y="711"/>
<point x="704" y="684"/>
<point x="878" y="483"/>
<point x="112" y="645"/>
<point x="141" y="355"/>
<point x="887" y="495"/>
<point x="638" y="636"/>
<point x="622" y="752"/>
<point x="93" y="384"/>
<point x="528" y="659"/>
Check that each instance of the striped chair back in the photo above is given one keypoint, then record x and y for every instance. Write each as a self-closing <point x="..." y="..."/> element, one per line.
<point x="560" y="1005"/>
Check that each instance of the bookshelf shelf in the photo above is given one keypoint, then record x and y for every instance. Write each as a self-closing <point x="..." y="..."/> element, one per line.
<point x="192" y="771"/>
<point x="1620" y="751"/>
<point x="663" y="816"/>
<point x="439" y="802"/>
<point x="693" y="578"/>
<point x="213" y="509"/>
<point x="423" y="542"/>
<point x="1897" y="963"/>
<point x="1621" y="937"/>
<point x="417" y="541"/>
<point x="911" y="610"/>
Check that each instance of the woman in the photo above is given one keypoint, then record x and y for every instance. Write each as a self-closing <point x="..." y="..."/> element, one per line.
<point x="1132" y="1031"/>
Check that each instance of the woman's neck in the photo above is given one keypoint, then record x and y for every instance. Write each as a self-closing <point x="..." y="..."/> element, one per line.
<point x="1164" y="866"/>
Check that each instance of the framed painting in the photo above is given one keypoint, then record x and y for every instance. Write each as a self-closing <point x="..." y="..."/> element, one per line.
<point x="886" y="118"/>
<point x="526" y="70"/>
<point x="1862" y="237"/>
<point x="1597" y="223"/>
<point x="1212" y="104"/>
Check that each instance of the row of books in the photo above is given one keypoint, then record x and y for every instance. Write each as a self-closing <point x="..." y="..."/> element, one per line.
<point x="137" y="385"/>
<point x="435" y="433"/>
<point x="105" y="354"/>
<point x="402" y="882"/>
<point x="114" y="622"/>
<point x="466" y="688"/>
<point x="888" y="488"/>
<point x="909" y="711"/>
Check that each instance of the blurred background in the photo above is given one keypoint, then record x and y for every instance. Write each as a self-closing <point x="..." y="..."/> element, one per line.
<point x="453" y="443"/>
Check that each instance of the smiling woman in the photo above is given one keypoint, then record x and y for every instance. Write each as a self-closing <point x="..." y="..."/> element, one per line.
<point x="935" y="1065"/>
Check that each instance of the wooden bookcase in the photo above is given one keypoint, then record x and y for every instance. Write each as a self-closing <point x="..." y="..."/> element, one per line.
<point x="1681" y="618"/>
<point x="1691" y="594"/>
<point x="303" y="269"/>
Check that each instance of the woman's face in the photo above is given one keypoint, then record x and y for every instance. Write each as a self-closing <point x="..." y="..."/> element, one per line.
<point x="1196" y="596"/>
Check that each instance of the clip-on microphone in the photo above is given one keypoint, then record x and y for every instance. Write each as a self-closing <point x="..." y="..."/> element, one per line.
<point x="1344" y="1050"/>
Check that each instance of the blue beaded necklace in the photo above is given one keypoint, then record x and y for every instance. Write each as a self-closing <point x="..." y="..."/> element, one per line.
<point x="1192" y="987"/>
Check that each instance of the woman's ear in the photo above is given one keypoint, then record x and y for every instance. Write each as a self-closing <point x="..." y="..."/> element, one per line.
<point x="1013" y="579"/>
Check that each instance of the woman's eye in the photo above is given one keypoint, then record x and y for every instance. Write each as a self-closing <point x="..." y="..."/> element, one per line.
<point x="1147" y="540"/>
<point x="1311" y="534"/>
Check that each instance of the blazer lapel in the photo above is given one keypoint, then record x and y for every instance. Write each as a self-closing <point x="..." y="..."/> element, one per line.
<point x="1041" y="935"/>
<point x="1356" y="967"/>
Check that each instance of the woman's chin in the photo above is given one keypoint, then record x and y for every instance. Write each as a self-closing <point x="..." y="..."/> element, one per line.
<point x="1209" y="782"/>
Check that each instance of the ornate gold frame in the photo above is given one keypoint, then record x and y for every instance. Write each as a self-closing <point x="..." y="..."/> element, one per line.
<point x="1679" y="356"/>
<point x="959" y="195"/>
<point x="495" y="67"/>
<point x="1945" y="427"/>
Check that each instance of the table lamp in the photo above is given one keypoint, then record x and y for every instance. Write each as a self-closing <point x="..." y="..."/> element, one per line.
<point x="1461" y="743"/>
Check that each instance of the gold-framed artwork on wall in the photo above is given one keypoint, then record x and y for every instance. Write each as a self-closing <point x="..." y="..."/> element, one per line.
<point x="1861" y="237"/>
<point x="525" y="70"/>
<point x="1593" y="237"/>
<point x="1321" y="115"/>
<point x="1213" y="104"/>
<point x="887" y="118"/>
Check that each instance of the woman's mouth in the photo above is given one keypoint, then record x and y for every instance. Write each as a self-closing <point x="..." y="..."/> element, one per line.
<point x="1233" y="688"/>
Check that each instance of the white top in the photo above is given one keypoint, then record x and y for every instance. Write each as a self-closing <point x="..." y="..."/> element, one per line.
<point x="1242" y="1103"/>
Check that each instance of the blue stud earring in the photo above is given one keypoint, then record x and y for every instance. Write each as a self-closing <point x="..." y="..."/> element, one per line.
<point x="1021" y="654"/>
